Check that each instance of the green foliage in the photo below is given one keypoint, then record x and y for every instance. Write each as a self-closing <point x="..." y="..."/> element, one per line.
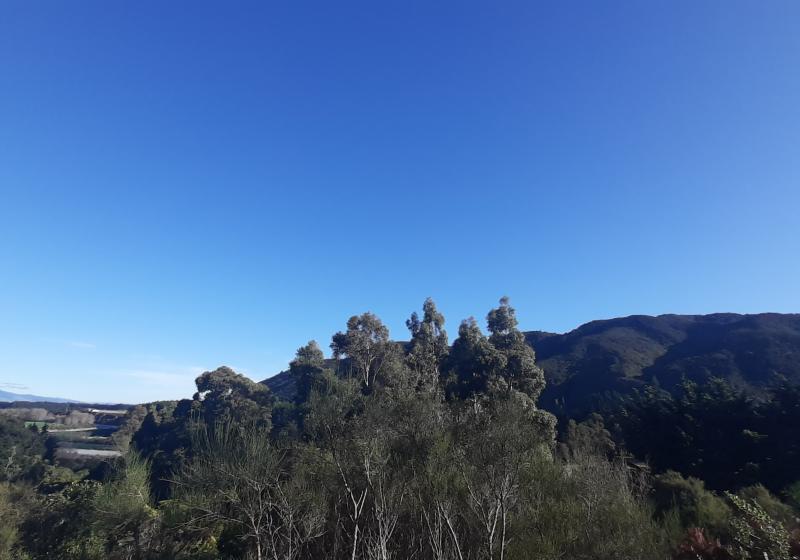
<point x="15" y="501"/>
<point x="366" y="346"/>
<point x="238" y="479"/>
<point x="428" y="348"/>
<point x="59" y="525"/>
<point x="694" y="505"/>
<point x="518" y="370"/>
<point x="307" y="369"/>
<point x="124" y="507"/>
<point x="586" y="508"/>
<point x="501" y="365"/>
<point x="756" y="535"/>
<point x="769" y="503"/>
<point x="709" y="431"/>
<point x="224" y="395"/>
<point x="589" y="436"/>
<point x="497" y="446"/>
<point x="21" y="449"/>
<point x="472" y="362"/>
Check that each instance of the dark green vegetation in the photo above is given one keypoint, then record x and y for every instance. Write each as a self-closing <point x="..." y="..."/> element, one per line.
<point x="428" y="450"/>
<point x="591" y="363"/>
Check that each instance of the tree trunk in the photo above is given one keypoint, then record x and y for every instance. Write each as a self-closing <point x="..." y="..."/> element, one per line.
<point x="355" y="542"/>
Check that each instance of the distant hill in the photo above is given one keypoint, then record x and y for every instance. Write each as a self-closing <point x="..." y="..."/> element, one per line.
<point x="6" y="396"/>
<point x="750" y="351"/>
<point x="616" y="355"/>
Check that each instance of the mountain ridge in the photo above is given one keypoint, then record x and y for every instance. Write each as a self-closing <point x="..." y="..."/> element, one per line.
<point x="8" y="396"/>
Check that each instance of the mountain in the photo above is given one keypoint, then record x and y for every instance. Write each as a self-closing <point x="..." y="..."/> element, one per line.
<point x="617" y="355"/>
<point x="6" y="396"/>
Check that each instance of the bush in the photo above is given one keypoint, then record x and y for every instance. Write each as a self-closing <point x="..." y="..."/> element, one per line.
<point x="756" y="535"/>
<point x="694" y="505"/>
<point x="587" y="508"/>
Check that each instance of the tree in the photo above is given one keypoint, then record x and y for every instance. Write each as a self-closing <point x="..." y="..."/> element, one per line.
<point x="519" y="371"/>
<point x="429" y="346"/>
<point x="307" y="369"/>
<point x="366" y="345"/>
<point x="472" y="362"/>
<point x="224" y="395"/>
<point x="499" y="445"/>
<point x="331" y="427"/>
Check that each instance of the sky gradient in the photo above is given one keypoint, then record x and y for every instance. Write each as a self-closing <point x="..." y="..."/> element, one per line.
<point x="190" y="184"/>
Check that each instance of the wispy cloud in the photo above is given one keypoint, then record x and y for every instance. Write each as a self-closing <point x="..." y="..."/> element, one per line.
<point x="14" y="386"/>
<point x="84" y="345"/>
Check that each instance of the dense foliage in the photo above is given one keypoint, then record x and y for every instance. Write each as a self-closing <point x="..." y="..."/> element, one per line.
<point x="715" y="433"/>
<point x="417" y="450"/>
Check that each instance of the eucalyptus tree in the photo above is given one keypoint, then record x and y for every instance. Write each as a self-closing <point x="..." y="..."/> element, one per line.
<point x="519" y="370"/>
<point x="367" y="347"/>
<point x="224" y="395"/>
<point x="472" y="362"/>
<point x="428" y="347"/>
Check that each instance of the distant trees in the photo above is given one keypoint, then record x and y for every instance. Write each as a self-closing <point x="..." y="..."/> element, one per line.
<point x="307" y="369"/>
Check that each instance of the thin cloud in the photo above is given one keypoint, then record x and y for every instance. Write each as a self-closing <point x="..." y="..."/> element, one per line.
<point x="14" y="386"/>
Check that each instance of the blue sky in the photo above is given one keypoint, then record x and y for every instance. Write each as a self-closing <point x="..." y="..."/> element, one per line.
<point x="189" y="184"/>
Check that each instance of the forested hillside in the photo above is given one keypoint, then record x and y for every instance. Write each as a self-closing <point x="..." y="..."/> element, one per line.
<point x="751" y="352"/>
<point x="440" y="451"/>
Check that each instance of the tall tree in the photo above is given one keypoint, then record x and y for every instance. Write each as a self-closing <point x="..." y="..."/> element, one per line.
<point x="429" y="346"/>
<point x="472" y="361"/>
<point x="519" y="371"/>
<point x="366" y="345"/>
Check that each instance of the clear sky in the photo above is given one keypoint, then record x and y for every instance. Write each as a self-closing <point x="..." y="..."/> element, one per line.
<point x="190" y="184"/>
